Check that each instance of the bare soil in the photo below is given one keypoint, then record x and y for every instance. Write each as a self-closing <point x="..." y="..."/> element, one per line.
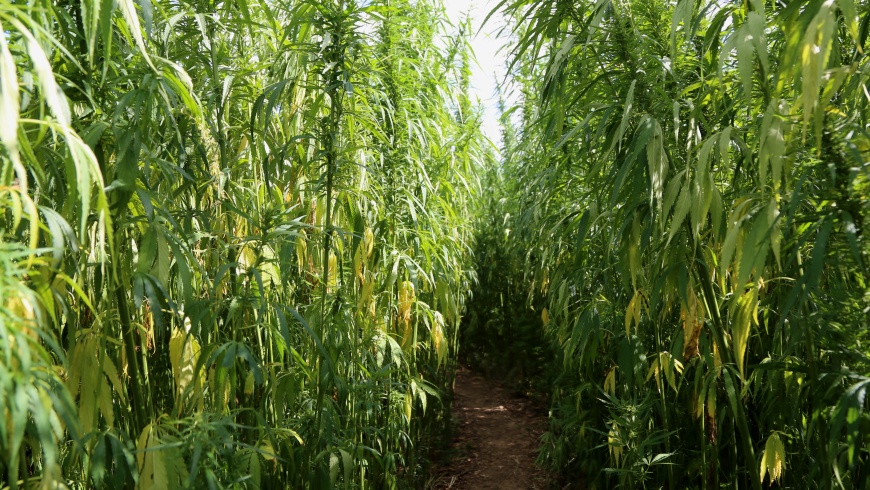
<point x="496" y="438"/>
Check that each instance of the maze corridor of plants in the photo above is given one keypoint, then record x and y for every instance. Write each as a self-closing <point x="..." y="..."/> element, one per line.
<point x="246" y="244"/>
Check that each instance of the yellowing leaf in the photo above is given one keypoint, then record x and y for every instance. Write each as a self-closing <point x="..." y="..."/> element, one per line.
<point x="745" y="312"/>
<point x="717" y="358"/>
<point x="366" y="293"/>
<point x="773" y="459"/>
<point x="654" y="371"/>
<point x="711" y="401"/>
<point x="671" y="366"/>
<point x="368" y="242"/>
<point x="93" y="380"/>
<point x="331" y="275"/>
<point x="614" y="443"/>
<point x="408" y="405"/>
<point x="159" y="468"/>
<point x="665" y="364"/>
<point x="406" y="300"/>
<point x="632" y="313"/>
<point x="439" y="343"/>
<point x="610" y="381"/>
<point x="249" y="383"/>
<point x="268" y="452"/>
<point x="183" y="356"/>
<point x="301" y="249"/>
<point x="141" y="446"/>
<point x="692" y="315"/>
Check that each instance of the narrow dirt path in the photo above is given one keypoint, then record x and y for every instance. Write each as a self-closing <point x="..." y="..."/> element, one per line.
<point x="496" y="440"/>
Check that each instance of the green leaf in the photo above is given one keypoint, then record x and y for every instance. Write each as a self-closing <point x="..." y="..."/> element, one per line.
<point x="128" y="10"/>
<point x="817" y="262"/>
<point x="684" y="204"/>
<point x="755" y="24"/>
<point x="815" y="50"/>
<point x="628" y="105"/>
<point x="682" y="15"/>
<point x="54" y="97"/>
<point x="850" y="18"/>
<point x="657" y="161"/>
<point x="852" y="236"/>
<point x="106" y="12"/>
<point x="755" y="248"/>
<point x="745" y="63"/>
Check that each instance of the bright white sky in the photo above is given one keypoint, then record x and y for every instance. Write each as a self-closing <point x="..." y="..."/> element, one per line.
<point x="490" y="61"/>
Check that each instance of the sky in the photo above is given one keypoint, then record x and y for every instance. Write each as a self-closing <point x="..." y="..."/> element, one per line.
<point x="490" y="61"/>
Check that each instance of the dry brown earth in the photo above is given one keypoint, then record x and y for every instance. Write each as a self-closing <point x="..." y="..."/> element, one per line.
<point x="496" y="441"/>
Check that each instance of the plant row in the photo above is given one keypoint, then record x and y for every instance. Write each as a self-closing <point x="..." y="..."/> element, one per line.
<point x="234" y="241"/>
<point x="684" y="203"/>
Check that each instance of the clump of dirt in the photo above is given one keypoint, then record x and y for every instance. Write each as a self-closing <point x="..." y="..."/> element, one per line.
<point x="496" y="438"/>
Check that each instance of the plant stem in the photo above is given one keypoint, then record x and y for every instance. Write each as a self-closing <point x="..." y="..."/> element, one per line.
<point x="703" y="275"/>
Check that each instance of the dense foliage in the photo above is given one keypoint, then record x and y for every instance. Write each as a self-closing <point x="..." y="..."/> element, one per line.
<point x="684" y="201"/>
<point x="234" y="241"/>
